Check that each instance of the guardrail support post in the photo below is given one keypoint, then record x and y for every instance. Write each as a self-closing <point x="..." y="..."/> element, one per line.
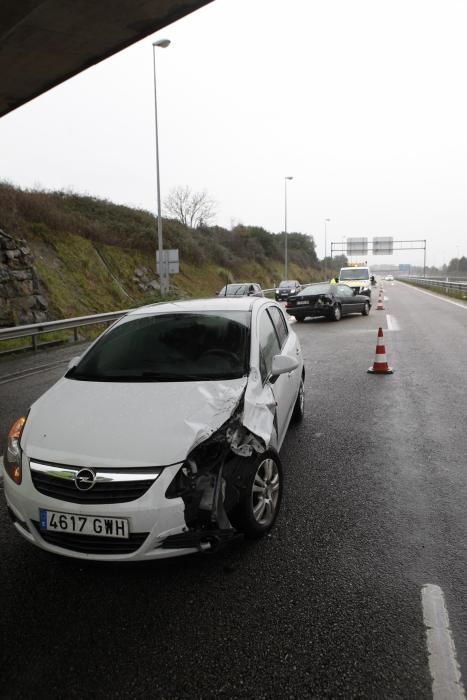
<point x="75" y="334"/>
<point x="34" y="342"/>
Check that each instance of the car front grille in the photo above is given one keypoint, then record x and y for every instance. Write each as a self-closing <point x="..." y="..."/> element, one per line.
<point x="89" y="544"/>
<point x="110" y="485"/>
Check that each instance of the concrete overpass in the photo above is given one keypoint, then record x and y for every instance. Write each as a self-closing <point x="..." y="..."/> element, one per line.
<point x="44" y="42"/>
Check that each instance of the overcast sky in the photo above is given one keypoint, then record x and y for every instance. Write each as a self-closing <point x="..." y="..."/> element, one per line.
<point x="363" y="102"/>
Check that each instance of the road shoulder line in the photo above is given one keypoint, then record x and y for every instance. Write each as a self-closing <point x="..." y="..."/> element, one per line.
<point x="441" y="298"/>
<point x="444" y="669"/>
<point x="30" y="371"/>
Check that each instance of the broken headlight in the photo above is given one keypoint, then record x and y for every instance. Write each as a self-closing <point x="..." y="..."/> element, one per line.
<point x="12" y="458"/>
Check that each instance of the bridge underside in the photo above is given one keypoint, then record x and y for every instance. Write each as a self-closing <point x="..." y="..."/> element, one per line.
<point x="44" y="42"/>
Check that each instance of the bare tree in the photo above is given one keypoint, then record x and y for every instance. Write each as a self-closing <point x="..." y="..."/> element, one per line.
<point x="193" y="209"/>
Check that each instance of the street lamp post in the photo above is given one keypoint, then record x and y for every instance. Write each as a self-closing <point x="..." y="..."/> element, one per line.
<point x="162" y="43"/>
<point x="326" y="221"/>
<point x="287" y="177"/>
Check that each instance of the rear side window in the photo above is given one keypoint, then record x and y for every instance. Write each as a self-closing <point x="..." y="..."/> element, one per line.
<point x="344" y="290"/>
<point x="268" y="344"/>
<point x="280" y="324"/>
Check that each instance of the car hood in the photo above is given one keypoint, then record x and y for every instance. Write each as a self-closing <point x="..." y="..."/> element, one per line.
<point x="121" y="424"/>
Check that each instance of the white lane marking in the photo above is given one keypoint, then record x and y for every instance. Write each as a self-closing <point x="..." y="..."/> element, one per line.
<point x="444" y="669"/>
<point x="30" y="372"/>
<point x="392" y="323"/>
<point x="440" y="298"/>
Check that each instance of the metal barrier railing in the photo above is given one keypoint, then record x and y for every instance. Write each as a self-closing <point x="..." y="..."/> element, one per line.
<point x="34" y="330"/>
<point x="436" y="283"/>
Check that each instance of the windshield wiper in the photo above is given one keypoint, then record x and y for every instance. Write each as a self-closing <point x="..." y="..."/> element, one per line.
<point x="167" y="377"/>
<point x="151" y="377"/>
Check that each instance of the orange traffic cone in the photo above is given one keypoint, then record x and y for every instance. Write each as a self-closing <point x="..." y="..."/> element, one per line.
<point x="380" y="365"/>
<point x="380" y="306"/>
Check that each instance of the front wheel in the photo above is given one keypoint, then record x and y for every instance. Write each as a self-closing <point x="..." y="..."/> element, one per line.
<point x="260" y="496"/>
<point x="366" y="309"/>
<point x="336" y="313"/>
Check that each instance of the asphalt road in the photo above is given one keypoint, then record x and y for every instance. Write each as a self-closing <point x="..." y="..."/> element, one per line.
<point x="329" y="604"/>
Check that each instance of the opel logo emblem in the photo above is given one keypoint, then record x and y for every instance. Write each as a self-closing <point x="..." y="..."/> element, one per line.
<point x="85" y="479"/>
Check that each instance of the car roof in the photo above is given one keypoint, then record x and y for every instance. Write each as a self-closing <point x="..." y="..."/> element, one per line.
<point x="240" y="303"/>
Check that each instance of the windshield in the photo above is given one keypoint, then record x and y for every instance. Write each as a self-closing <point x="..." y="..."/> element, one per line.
<point x="287" y="283"/>
<point x="356" y="273"/>
<point x="316" y="289"/>
<point x="170" y="347"/>
<point x="231" y="290"/>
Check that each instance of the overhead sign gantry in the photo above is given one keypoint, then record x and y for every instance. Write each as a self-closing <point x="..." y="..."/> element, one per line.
<point x="380" y="245"/>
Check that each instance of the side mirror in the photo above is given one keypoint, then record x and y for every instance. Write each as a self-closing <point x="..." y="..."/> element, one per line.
<point x="282" y="364"/>
<point x="74" y="361"/>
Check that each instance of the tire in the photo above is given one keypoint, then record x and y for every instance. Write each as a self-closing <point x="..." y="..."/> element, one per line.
<point x="336" y="313"/>
<point x="299" y="407"/>
<point x="366" y="309"/>
<point x="299" y="318"/>
<point x="260" y="496"/>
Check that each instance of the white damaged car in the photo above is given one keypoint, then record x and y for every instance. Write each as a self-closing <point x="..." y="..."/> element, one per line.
<point x="163" y="438"/>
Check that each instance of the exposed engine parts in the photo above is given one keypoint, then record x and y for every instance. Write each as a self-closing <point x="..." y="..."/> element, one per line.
<point x="211" y="479"/>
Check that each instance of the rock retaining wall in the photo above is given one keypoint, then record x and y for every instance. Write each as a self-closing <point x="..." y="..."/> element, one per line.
<point x="21" y="301"/>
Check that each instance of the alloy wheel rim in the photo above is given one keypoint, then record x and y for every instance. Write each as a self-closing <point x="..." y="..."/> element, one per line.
<point x="265" y="492"/>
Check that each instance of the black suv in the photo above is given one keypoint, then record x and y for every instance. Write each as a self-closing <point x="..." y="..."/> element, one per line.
<point x="286" y="288"/>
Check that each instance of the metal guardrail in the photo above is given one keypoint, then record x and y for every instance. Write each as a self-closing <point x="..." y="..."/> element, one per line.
<point x="437" y="283"/>
<point x="33" y="330"/>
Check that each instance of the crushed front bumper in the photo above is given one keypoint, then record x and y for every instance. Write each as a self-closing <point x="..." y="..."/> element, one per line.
<point x="152" y="520"/>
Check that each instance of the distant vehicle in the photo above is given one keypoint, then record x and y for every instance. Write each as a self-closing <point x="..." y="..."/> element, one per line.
<point x="389" y="278"/>
<point x="241" y="289"/>
<point x="373" y="280"/>
<point x="286" y="288"/>
<point x="330" y="300"/>
<point x="358" y="278"/>
<point x="191" y="403"/>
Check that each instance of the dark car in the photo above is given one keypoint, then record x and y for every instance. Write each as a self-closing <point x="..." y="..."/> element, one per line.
<point x="330" y="300"/>
<point x="243" y="289"/>
<point x="286" y="288"/>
